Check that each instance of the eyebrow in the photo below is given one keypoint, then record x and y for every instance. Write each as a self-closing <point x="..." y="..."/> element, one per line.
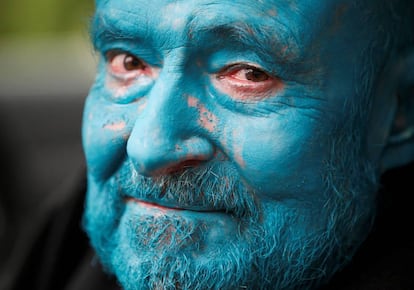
<point x="270" y="37"/>
<point x="105" y="29"/>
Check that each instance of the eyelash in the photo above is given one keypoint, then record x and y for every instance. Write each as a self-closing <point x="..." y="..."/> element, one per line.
<point x="242" y="66"/>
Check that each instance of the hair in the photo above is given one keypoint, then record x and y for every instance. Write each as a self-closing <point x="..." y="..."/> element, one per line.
<point x="398" y="30"/>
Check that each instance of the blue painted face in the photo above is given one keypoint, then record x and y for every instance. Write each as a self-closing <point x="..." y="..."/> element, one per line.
<point x="225" y="142"/>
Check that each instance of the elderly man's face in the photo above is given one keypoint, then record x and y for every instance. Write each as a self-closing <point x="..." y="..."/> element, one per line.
<point x="225" y="142"/>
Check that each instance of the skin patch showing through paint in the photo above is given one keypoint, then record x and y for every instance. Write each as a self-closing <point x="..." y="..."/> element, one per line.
<point x="238" y="150"/>
<point x="115" y="126"/>
<point x="142" y="105"/>
<point x="206" y="119"/>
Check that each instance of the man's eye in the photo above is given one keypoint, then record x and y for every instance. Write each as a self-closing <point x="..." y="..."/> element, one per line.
<point x="132" y="63"/>
<point x="246" y="81"/>
<point x="124" y="63"/>
<point x="251" y="74"/>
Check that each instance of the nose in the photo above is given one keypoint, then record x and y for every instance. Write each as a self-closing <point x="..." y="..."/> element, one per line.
<point x="165" y="137"/>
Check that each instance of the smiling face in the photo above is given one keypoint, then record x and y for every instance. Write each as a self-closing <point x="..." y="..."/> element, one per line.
<point x="225" y="142"/>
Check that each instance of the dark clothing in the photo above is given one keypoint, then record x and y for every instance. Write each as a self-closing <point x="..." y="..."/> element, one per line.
<point x="60" y="257"/>
<point x="386" y="260"/>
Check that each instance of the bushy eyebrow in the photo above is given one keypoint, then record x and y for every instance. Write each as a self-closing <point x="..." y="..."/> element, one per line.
<point x="271" y="38"/>
<point x="105" y="29"/>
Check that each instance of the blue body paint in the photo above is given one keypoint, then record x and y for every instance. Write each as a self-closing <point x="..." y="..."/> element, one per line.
<point x="226" y="141"/>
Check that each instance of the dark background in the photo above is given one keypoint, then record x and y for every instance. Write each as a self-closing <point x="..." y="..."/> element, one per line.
<point x="46" y="68"/>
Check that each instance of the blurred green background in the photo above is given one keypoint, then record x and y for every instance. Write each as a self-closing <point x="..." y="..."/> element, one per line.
<point x="40" y="17"/>
<point x="44" y="48"/>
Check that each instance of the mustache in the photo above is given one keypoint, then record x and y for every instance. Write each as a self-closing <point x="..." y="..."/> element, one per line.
<point x="214" y="186"/>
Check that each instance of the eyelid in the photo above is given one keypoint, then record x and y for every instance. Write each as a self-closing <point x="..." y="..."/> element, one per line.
<point x="231" y="67"/>
<point x="228" y="69"/>
<point x="146" y="54"/>
<point x="112" y="53"/>
<point x="241" y="90"/>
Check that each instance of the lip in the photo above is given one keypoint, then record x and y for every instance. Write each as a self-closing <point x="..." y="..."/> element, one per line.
<point x="151" y="204"/>
<point x="163" y="207"/>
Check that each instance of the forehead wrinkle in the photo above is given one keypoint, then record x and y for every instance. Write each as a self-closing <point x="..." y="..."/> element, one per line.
<point x="112" y="24"/>
<point x="267" y="35"/>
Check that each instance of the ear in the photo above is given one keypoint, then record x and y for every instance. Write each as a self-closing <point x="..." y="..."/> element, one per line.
<point x="398" y="143"/>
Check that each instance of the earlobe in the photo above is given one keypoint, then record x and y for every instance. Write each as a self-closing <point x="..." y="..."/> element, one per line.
<point x="399" y="147"/>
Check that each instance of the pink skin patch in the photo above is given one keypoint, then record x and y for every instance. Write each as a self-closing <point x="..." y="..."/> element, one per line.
<point x="142" y="105"/>
<point x="238" y="156"/>
<point x="116" y="87"/>
<point x="115" y="126"/>
<point x="120" y="91"/>
<point x="235" y="149"/>
<point x="238" y="151"/>
<point x="206" y="119"/>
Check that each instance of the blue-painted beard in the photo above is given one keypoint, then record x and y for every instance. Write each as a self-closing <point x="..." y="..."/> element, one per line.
<point x="241" y="242"/>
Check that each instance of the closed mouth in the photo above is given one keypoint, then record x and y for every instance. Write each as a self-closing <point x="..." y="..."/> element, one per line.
<point x="168" y="206"/>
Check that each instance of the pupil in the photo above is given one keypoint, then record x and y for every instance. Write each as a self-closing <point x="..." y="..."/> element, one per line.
<point x="255" y="75"/>
<point x="132" y="63"/>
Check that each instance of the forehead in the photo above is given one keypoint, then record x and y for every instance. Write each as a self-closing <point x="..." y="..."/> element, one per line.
<point x="171" y="23"/>
<point x="173" y="15"/>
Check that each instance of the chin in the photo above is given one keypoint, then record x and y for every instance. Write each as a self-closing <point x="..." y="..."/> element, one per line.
<point x="153" y="247"/>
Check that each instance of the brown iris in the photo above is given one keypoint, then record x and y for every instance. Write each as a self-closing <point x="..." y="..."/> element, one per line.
<point x="133" y="63"/>
<point x="256" y="75"/>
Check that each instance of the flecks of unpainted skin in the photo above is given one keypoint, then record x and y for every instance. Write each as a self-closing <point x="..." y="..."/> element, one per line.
<point x="116" y="89"/>
<point x="142" y="105"/>
<point x="206" y="119"/>
<point x="233" y="147"/>
<point x="120" y="91"/>
<point x="238" y="150"/>
<point x="115" y="126"/>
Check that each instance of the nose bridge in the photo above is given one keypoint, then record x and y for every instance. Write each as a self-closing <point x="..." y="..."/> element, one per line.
<point x="163" y="136"/>
<point x="159" y="121"/>
<point x="165" y="110"/>
<point x="166" y="104"/>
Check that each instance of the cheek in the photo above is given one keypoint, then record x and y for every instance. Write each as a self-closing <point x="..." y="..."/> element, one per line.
<point x="274" y="157"/>
<point x="106" y="128"/>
